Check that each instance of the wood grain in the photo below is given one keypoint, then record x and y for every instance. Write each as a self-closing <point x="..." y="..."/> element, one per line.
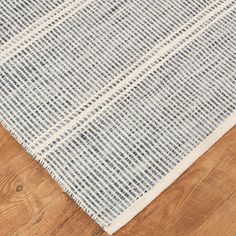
<point x="201" y="202"/>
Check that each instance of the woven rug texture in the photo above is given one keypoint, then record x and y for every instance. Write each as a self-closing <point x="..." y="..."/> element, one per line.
<point x="116" y="98"/>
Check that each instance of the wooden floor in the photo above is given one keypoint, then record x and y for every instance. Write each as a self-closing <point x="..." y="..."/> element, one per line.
<point x="201" y="202"/>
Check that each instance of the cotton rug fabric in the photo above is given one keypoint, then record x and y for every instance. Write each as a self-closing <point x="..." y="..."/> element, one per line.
<point x="116" y="98"/>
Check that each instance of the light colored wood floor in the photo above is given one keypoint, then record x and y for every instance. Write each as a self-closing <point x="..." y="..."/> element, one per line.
<point x="201" y="202"/>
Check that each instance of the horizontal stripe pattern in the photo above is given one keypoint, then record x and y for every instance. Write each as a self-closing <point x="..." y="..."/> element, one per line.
<point x="121" y="154"/>
<point x="114" y="155"/>
<point x="56" y="75"/>
<point x="17" y="15"/>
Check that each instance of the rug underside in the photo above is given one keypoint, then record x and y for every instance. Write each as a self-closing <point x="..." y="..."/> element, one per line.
<point x="117" y="98"/>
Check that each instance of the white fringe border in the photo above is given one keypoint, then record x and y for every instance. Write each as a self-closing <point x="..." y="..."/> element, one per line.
<point x="166" y="181"/>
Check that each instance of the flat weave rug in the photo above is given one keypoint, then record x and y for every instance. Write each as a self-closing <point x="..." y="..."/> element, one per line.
<point x="117" y="98"/>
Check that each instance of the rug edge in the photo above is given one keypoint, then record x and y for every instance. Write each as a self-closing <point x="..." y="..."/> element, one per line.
<point x="148" y="197"/>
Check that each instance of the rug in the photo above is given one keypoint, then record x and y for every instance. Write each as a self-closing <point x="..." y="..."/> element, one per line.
<point x="117" y="98"/>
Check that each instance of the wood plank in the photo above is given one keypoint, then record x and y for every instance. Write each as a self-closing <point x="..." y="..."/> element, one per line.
<point x="53" y="220"/>
<point x="9" y="148"/>
<point x="24" y="187"/>
<point x="224" y="216"/>
<point x="49" y="218"/>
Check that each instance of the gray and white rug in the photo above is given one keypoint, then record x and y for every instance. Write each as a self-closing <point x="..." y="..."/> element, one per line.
<point x="116" y="98"/>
